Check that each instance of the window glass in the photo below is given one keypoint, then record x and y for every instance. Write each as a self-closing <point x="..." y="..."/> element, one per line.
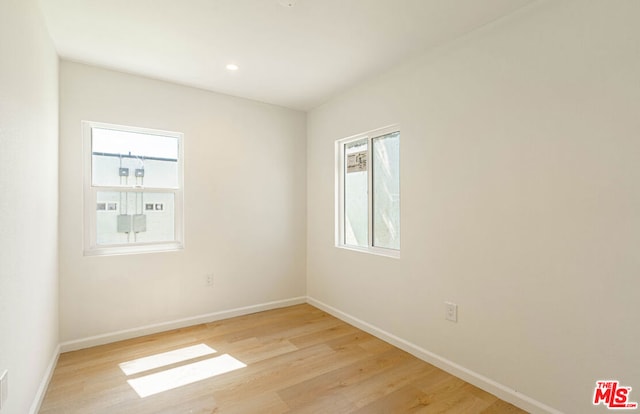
<point x="124" y="158"/>
<point x="134" y="217"/>
<point x="356" y="227"/>
<point x="386" y="191"/>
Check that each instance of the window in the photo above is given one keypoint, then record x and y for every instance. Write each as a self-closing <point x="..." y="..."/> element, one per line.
<point x="368" y="192"/>
<point x="132" y="189"/>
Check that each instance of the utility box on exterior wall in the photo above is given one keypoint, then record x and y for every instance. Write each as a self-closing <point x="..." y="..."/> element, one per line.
<point x="139" y="223"/>
<point x="124" y="223"/>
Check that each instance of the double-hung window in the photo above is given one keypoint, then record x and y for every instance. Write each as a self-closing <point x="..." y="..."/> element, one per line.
<point x="368" y="192"/>
<point x="132" y="189"/>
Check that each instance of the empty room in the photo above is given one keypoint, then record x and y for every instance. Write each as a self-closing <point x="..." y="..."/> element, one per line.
<point x="319" y="206"/>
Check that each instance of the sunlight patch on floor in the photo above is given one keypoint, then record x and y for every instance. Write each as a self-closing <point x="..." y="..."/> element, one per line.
<point x="166" y="358"/>
<point x="186" y="374"/>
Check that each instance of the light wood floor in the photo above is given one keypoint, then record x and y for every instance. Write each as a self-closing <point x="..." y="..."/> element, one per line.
<point x="298" y="359"/>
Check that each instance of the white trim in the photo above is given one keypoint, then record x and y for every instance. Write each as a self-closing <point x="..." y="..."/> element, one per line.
<point x="44" y="383"/>
<point x="339" y="193"/>
<point x="499" y="390"/>
<point x="175" y="324"/>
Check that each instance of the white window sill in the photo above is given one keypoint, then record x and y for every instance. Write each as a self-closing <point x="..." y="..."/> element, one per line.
<point x="395" y="254"/>
<point x="134" y="249"/>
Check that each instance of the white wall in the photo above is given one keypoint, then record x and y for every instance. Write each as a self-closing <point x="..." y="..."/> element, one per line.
<point x="28" y="201"/>
<point x="520" y="155"/>
<point x="245" y="211"/>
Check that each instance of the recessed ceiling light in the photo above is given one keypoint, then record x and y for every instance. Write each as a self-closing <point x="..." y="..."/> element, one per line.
<point x="232" y="67"/>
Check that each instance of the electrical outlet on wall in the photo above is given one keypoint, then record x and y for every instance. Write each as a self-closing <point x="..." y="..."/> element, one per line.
<point x="4" y="388"/>
<point x="451" y="311"/>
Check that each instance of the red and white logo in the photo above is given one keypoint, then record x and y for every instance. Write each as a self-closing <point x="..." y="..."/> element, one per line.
<point x="613" y="395"/>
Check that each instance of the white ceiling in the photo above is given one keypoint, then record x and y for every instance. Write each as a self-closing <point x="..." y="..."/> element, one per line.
<point x="297" y="57"/>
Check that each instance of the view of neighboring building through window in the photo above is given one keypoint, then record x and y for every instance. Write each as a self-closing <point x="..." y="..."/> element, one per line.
<point x="133" y="194"/>
<point x="369" y="192"/>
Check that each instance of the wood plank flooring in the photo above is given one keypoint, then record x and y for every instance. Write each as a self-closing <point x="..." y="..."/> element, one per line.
<point x="298" y="359"/>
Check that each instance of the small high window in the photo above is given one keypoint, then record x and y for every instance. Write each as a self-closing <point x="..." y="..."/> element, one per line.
<point x="133" y="189"/>
<point x="368" y="192"/>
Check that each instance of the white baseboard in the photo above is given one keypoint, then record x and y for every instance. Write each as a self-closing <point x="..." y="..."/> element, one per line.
<point x="499" y="390"/>
<point x="175" y="324"/>
<point x="44" y="384"/>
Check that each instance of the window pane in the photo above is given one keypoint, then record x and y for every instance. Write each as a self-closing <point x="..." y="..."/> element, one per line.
<point x="356" y="210"/>
<point x="134" y="217"/>
<point x="123" y="158"/>
<point x="386" y="191"/>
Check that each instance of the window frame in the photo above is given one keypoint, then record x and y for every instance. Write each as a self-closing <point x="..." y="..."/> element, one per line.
<point x="90" y="191"/>
<point x="340" y="175"/>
